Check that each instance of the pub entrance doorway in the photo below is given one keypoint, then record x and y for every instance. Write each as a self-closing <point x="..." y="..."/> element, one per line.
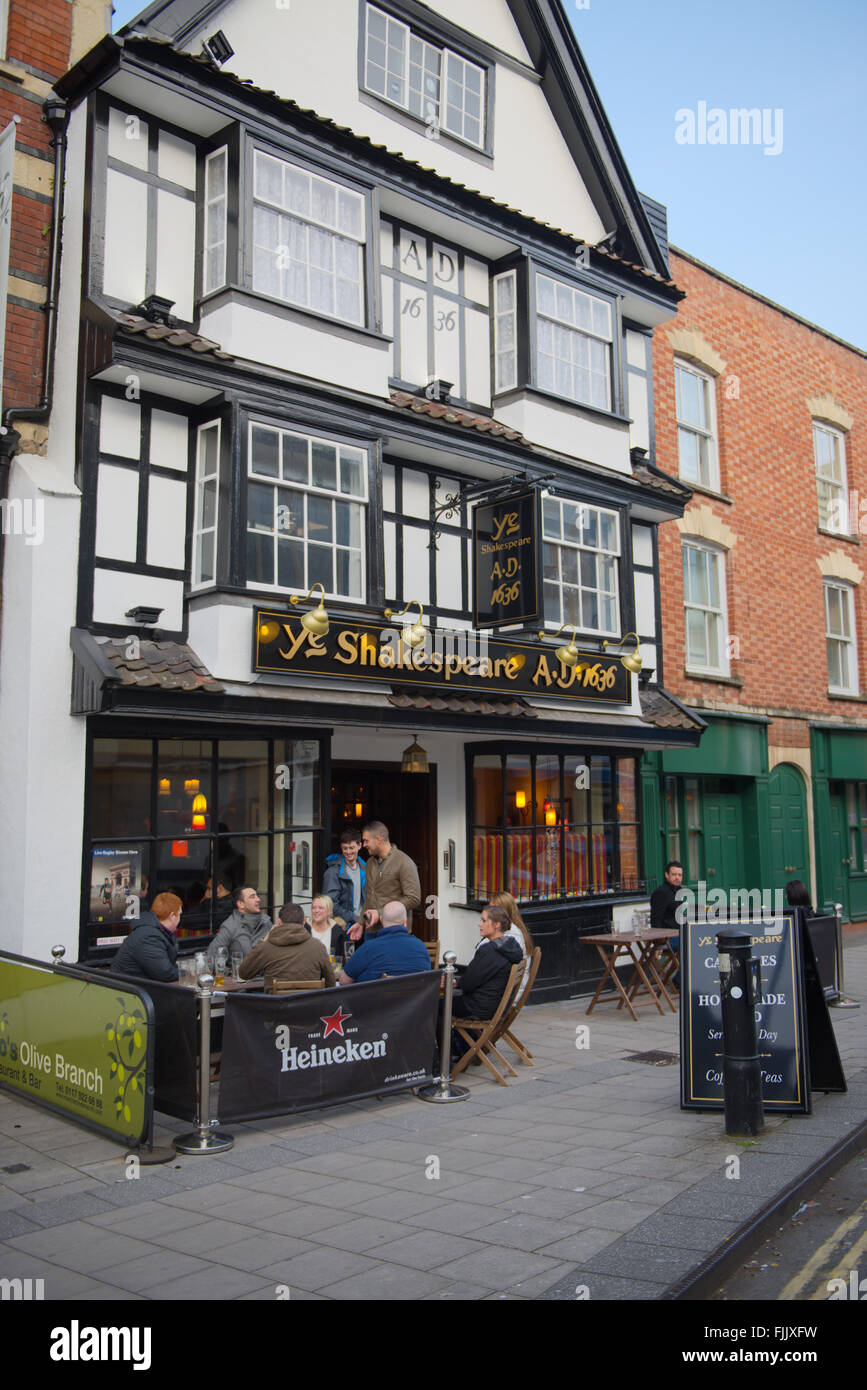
<point x="404" y="801"/>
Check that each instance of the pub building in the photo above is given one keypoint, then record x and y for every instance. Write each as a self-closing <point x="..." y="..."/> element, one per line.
<point x="358" y="420"/>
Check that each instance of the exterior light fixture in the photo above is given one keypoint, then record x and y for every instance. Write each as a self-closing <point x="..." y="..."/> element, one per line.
<point x="143" y="616"/>
<point x="414" y="758"/>
<point x="413" y="636"/>
<point x="315" y="622"/>
<point x="568" y="655"/>
<point x="633" y="661"/>
<point x="217" y="48"/>
<point x="269" y="631"/>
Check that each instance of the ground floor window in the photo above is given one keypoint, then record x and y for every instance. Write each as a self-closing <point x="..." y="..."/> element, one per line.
<point x="198" y="817"/>
<point x="856" y="815"/>
<point x="553" y="824"/>
<point x="681" y="824"/>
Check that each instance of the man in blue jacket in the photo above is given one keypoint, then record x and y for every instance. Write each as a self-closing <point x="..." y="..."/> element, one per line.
<point x="151" y="949"/>
<point x="388" y="950"/>
<point x="345" y="877"/>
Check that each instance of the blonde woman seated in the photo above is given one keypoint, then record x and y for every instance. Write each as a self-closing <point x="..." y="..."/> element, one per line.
<point x="325" y="927"/>
<point x="518" y="931"/>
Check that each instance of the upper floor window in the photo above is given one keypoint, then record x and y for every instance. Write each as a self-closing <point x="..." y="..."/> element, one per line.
<point x="435" y="301"/>
<point x="308" y="239"/>
<point x="573" y="343"/>
<point x="430" y="81"/>
<point x="206" y="504"/>
<point x="840" y="638"/>
<point x="306" y="513"/>
<point x="581" y="553"/>
<point x="704" y="599"/>
<point x="696" y="427"/>
<point x="829" y="453"/>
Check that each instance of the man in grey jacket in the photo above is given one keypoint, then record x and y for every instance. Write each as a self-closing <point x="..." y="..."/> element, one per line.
<point x="243" y="929"/>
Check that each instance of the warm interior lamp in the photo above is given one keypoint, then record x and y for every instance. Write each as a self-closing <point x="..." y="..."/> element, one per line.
<point x="200" y="805"/>
<point x="180" y="849"/>
<point x="198" y="822"/>
<point x="550" y="813"/>
<point x="359" y="810"/>
<point x="165" y="786"/>
<point x="520" y="800"/>
<point x="191" y="786"/>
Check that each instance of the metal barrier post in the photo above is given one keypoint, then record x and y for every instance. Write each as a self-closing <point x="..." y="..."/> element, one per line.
<point x="842" y="1001"/>
<point x="444" y="1089"/>
<point x="204" y="1140"/>
<point x="742" y="1068"/>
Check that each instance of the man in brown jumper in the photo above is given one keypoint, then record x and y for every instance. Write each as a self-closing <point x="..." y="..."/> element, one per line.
<point x="288" y="952"/>
<point x="391" y="877"/>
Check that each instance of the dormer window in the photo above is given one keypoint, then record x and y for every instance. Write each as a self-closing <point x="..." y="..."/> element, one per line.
<point x="441" y="87"/>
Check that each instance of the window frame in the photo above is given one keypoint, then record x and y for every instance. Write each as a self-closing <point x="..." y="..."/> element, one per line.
<point x="839" y="436"/>
<point x="551" y="624"/>
<point x="446" y="43"/>
<point x="709" y="435"/>
<point x="253" y="143"/>
<point x="851" y="642"/>
<point x="719" y="556"/>
<point x="532" y="269"/>
<point x="533" y="753"/>
<point x="250" y="419"/>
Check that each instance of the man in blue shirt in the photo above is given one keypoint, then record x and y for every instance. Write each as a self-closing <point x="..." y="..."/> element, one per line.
<point x="388" y="950"/>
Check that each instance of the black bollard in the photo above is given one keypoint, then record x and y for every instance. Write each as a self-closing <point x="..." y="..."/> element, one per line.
<point x="742" y="1069"/>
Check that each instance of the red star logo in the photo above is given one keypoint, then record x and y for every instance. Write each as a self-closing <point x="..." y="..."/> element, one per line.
<point x="334" y="1024"/>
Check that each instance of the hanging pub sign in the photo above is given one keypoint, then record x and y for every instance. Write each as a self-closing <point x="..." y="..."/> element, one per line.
<point x="506" y="554"/>
<point x="446" y="661"/>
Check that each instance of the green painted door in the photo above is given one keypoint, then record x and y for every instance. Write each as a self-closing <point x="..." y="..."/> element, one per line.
<point x="787" y="811"/>
<point x="837" y="885"/>
<point x="723" y="835"/>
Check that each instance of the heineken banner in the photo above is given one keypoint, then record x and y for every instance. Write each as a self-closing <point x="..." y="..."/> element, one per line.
<point x="81" y="1046"/>
<point x="288" y="1052"/>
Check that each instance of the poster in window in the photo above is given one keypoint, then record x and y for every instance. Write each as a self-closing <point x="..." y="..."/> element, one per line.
<point x="115" y="884"/>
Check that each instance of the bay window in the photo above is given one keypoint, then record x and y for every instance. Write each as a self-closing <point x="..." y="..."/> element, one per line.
<point x="309" y="235"/>
<point x="553" y="824"/>
<point x="306" y="513"/>
<point x="580" y="559"/>
<point x="574" y="338"/>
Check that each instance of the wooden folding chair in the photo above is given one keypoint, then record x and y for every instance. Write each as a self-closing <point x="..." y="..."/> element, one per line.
<point x="504" y="1033"/>
<point x="479" y="1033"/>
<point x="287" y="986"/>
<point x="433" y="948"/>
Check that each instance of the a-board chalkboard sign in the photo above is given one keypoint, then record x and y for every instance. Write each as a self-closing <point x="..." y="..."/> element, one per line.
<point x="823" y="1058"/>
<point x="780" y="1020"/>
<point x="823" y="935"/>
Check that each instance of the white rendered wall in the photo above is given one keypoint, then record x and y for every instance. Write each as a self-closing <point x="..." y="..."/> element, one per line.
<point x="309" y="53"/>
<point x="567" y="430"/>
<point x="42" y="751"/>
<point x="298" y="344"/>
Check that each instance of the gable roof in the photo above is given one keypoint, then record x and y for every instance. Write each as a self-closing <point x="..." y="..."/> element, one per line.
<point x="571" y="95"/>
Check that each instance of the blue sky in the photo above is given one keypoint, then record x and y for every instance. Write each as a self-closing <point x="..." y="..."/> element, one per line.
<point x="789" y="224"/>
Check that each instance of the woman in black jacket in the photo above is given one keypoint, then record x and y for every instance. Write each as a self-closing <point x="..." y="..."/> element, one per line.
<point x="481" y="983"/>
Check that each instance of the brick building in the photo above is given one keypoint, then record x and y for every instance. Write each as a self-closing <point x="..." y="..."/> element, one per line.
<point x="39" y="40"/>
<point x="765" y="417"/>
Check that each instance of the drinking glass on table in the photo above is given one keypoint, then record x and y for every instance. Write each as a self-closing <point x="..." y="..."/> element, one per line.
<point x="220" y="967"/>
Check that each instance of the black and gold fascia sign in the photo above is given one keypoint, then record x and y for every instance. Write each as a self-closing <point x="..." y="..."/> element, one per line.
<point x="466" y="661"/>
<point x="506" y="585"/>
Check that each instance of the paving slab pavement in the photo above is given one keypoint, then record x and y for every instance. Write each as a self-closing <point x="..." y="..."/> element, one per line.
<point x="581" y="1174"/>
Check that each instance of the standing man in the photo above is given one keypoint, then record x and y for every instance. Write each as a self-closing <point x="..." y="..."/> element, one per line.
<point x="244" y="929"/>
<point x="344" y="880"/>
<point x="663" y="908"/>
<point x="391" y="876"/>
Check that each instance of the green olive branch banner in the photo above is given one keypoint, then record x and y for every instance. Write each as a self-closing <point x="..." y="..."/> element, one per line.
<point x="78" y="1045"/>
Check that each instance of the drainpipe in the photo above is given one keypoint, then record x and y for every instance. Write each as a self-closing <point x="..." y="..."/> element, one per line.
<point x="55" y="114"/>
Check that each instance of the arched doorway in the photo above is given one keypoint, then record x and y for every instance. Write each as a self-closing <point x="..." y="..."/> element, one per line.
<point x="787" y="811"/>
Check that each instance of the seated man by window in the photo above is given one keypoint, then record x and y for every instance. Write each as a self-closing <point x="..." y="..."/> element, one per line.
<point x="388" y="950"/>
<point x="288" y="952"/>
<point x="151" y="949"/>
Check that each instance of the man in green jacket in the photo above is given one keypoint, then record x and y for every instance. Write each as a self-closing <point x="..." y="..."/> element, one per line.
<point x="391" y="877"/>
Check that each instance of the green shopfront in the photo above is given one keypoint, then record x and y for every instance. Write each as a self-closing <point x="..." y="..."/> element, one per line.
<point x="839" y="759"/>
